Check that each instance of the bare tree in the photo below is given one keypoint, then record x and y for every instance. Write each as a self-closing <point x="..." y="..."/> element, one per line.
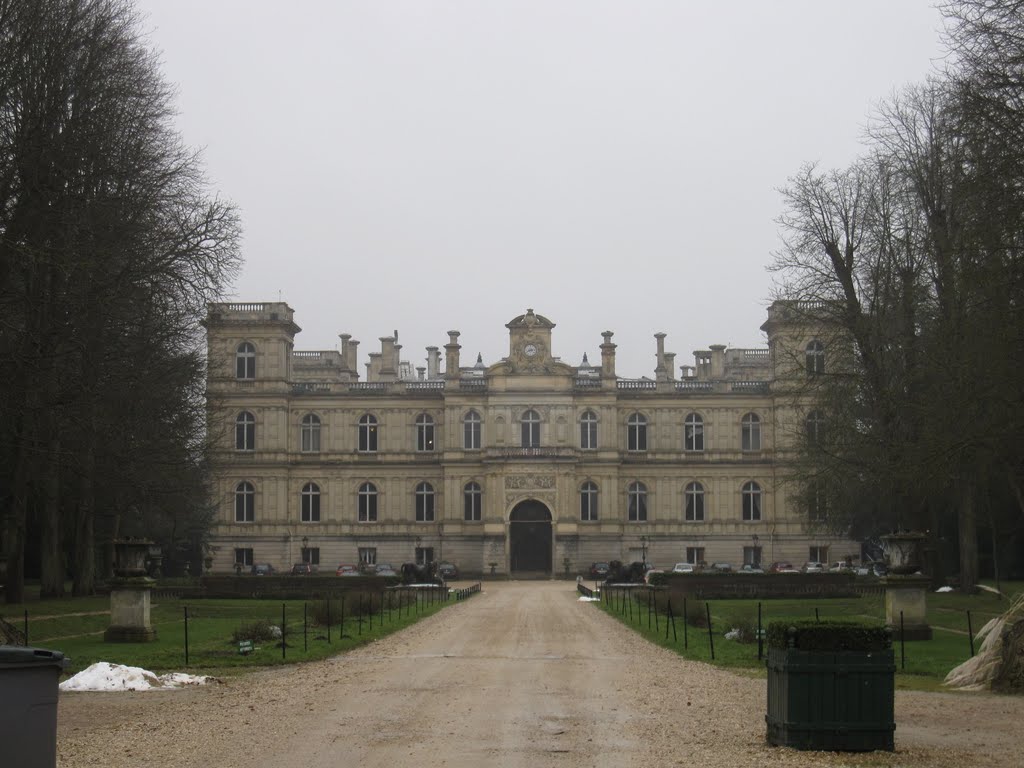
<point x="109" y="240"/>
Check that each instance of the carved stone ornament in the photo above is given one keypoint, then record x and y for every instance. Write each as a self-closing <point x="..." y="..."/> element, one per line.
<point x="530" y="481"/>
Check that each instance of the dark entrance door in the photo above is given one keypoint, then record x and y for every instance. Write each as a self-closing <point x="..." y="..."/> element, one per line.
<point x="530" y="538"/>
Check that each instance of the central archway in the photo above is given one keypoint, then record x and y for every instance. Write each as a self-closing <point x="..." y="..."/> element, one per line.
<point x="530" y="539"/>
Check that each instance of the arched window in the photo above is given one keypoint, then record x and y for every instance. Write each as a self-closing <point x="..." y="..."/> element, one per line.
<point x="588" y="501"/>
<point x="636" y="432"/>
<point x="245" y="361"/>
<point x="368" y="433"/>
<point x="310" y="512"/>
<point x="424" y="433"/>
<point x="693" y="433"/>
<point x="588" y="431"/>
<point x="367" y="503"/>
<point x="815" y="424"/>
<point x="750" y="432"/>
<point x="245" y="503"/>
<point x="694" y="494"/>
<point x="424" y="503"/>
<point x="309" y="434"/>
<point x="636" y="495"/>
<point x="472" y="496"/>
<point x="815" y="352"/>
<point x="245" y="432"/>
<point x="751" y="501"/>
<point x="471" y="431"/>
<point x="531" y="429"/>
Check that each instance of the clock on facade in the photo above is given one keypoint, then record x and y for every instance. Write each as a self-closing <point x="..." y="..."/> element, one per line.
<point x="530" y="350"/>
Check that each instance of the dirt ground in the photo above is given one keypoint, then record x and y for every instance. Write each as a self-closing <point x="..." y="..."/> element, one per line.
<point x="521" y="675"/>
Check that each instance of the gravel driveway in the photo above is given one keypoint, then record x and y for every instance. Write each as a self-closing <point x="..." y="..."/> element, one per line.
<point x="521" y="675"/>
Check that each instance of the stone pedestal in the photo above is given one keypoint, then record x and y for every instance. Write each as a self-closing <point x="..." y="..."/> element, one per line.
<point x="909" y="595"/>
<point x="130" y="611"/>
<point x="130" y="592"/>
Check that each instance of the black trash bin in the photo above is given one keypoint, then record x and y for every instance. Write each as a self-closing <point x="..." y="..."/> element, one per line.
<point x="28" y="705"/>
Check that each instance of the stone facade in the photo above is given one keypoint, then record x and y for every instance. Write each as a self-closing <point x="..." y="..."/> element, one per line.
<point x="529" y="464"/>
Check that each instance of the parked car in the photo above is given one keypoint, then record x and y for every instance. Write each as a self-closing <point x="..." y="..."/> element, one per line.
<point x="302" y="569"/>
<point x="721" y="567"/>
<point x="386" y="570"/>
<point x="750" y="568"/>
<point x="262" y="569"/>
<point x="840" y="566"/>
<point x="782" y="566"/>
<point x="447" y="571"/>
<point x="684" y="568"/>
<point x="384" y="567"/>
<point x="812" y="567"/>
<point x="599" y="570"/>
<point x="345" y="569"/>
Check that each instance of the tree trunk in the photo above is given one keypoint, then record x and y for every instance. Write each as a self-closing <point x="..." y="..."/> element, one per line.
<point x="14" y="589"/>
<point x="84" y="551"/>
<point x="50" y="549"/>
<point x="968" y="530"/>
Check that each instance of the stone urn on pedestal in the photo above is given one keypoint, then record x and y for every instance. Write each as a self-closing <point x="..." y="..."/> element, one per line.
<point x="130" y="594"/>
<point x="906" y="589"/>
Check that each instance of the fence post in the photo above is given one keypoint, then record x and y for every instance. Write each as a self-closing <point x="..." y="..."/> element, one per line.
<point x="760" y="635"/>
<point x="26" y="627"/>
<point x="970" y="632"/>
<point x="903" y="644"/>
<point x="341" y="632"/>
<point x="686" y="626"/>
<point x="328" y="620"/>
<point x="305" y="630"/>
<point x="711" y="634"/>
<point x="186" y="635"/>
<point x="284" y="631"/>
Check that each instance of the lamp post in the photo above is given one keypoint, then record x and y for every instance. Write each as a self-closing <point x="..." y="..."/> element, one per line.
<point x="755" y="556"/>
<point x="305" y="549"/>
<point x="416" y="552"/>
<point x="643" y="549"/>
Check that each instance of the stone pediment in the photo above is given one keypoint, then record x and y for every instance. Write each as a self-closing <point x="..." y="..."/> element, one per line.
<point x="530" y="321"/>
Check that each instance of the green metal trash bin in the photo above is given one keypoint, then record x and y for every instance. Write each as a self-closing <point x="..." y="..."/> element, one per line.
<point x="28" y="705"/>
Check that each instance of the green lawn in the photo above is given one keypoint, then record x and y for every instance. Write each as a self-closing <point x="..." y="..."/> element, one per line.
<point x="75" y="627"/>
<point x="919" y="664"/>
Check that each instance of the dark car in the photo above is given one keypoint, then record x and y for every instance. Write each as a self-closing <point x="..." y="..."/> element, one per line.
<point x="262" y="569"/>
<point x="599" y="570"/>
<point x="302" y="569"/>
<point x="447" y="571"/>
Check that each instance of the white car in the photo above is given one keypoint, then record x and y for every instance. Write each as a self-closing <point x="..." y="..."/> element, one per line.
<point x="684" y="568"/>
<point x="813" y="568"/>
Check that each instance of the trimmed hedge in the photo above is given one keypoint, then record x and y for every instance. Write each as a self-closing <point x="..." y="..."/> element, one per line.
<point x="829" y="636"/>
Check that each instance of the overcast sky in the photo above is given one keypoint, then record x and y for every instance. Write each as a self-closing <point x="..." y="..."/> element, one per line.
<point x="426" y="166"/>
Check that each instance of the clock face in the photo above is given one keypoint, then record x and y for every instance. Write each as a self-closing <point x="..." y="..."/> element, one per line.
<point x="530" y="350"/>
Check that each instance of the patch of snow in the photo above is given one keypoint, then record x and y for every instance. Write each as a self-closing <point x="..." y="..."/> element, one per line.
<point x="585" y="599"/>
<point x="944" y="589"/>
<point x="103" y="676"/>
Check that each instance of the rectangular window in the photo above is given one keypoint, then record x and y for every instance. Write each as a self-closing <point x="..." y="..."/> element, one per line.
<point x="367" y="555"/>
<point x="588" y="435"/>
<point x="752" y="556"/>
<point x="424" y="555"/>
<point x="695" y="555"/>
<point x="311" y="555"/>
<point x="243" y="556"/>
<point x="818" y="555"/>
